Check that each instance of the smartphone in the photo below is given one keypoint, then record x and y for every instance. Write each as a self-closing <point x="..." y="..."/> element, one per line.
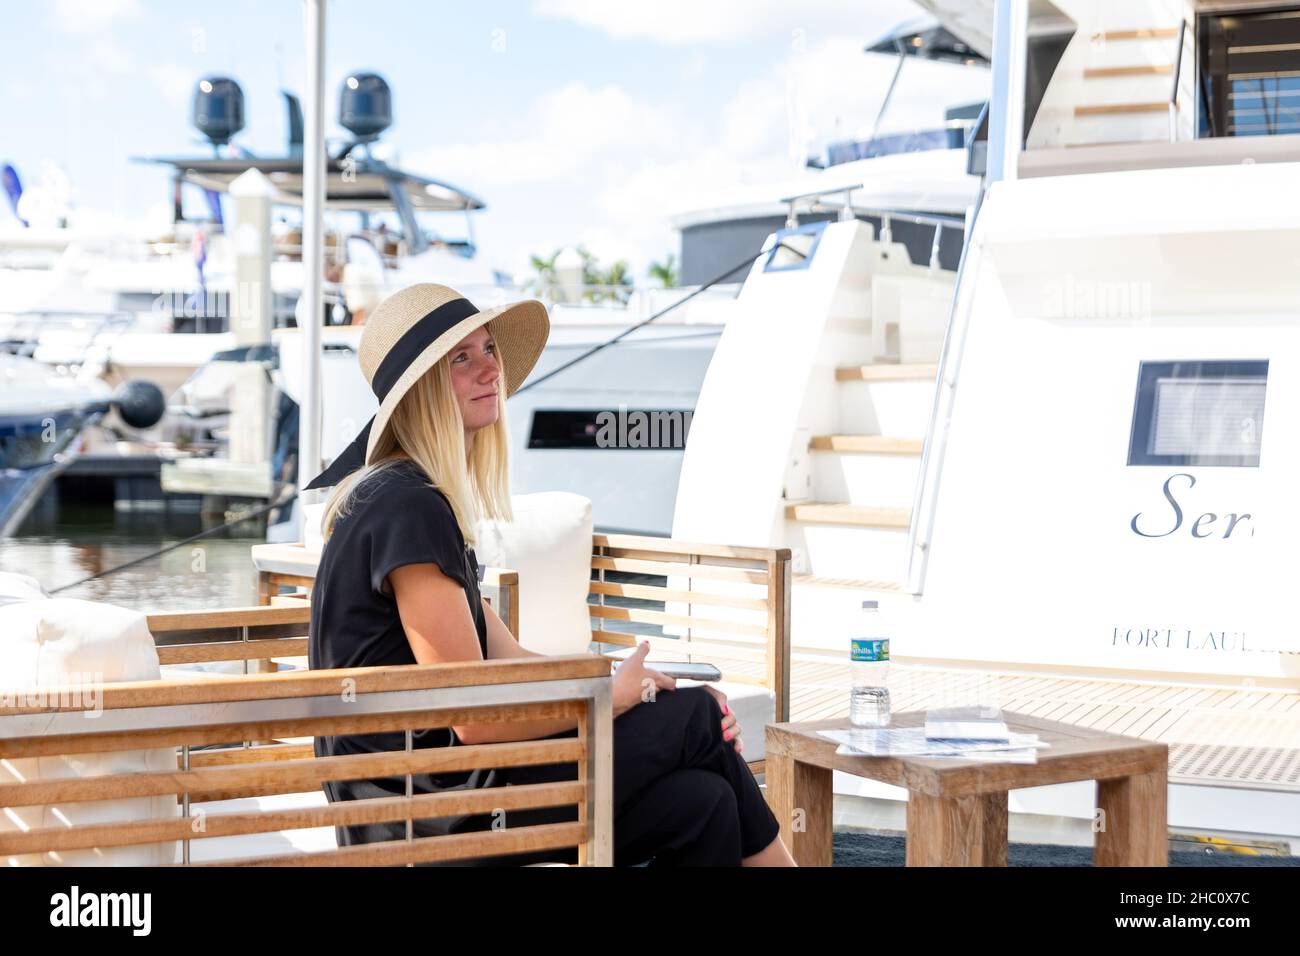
<point x="679" y="670"/>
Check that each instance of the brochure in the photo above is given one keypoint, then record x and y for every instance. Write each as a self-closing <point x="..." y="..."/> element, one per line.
<point x="912" y="742"/>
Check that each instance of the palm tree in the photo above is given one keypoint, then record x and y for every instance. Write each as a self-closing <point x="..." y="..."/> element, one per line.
<point x="665" y="272"/>
<point x="617" y="282"/>
<point x="544" y="283"/>
<point x="599" y="284"/>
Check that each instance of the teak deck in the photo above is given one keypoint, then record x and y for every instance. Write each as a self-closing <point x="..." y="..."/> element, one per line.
<point x="1248" y="738"/>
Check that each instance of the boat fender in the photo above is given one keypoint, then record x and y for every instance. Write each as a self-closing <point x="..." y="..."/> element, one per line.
<point x="139" y="403"/>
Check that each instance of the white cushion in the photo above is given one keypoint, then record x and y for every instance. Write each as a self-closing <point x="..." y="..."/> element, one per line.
<point x="274" y="843"/>
<point x="549" y="544"/>
<point x="46" y="646"/>
<point x="312" y="539"/>
<point x="19" y="587"/>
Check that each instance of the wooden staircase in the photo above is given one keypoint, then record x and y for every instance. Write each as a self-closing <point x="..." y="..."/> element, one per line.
<point x="851" y="531"/>
<point x="831" y="512"/>
<point x="1147" y="89"/>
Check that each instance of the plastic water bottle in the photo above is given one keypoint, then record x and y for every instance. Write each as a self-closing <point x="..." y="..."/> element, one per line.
<point x="869" y="656"/>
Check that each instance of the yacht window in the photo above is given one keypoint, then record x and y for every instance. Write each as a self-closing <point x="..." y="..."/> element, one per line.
<point x="794" y="248"/>
<point x="1199" y="413"/>
<point x="1249" y="73"/>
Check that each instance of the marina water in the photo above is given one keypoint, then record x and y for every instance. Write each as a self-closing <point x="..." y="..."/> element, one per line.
<point x="69" y="543"/>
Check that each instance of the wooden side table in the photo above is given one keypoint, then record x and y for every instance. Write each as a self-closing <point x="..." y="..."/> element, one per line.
<point x="957" y="809"/>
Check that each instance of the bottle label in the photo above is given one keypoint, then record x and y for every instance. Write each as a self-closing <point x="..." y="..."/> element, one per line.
<point x="864" y="649"/>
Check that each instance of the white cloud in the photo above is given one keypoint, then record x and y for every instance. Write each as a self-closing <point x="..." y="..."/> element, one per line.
<point x="174" y="82"/>
<point x="602" y="167"/>
<point x="774" y="122"/>
<point x="728" y="21"/>
<point x="695" y="67"/>
<point x="561" y="133"/>
<point x="89" y="16"/>
<point x="107" y="55"/>
<point x="18" y="89"/>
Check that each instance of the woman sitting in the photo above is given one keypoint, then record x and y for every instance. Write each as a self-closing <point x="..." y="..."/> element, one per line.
<point x="398" y="584"/>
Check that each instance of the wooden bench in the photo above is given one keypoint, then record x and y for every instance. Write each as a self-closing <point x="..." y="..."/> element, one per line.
<point x="243" y="742"/>
<point x="721" y="604"/>
<point x="247" y="782"/>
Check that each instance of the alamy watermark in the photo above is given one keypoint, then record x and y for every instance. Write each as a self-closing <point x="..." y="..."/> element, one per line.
<point x="74" y="908"/>
<point x="1083" y="298"/>
<point x="72" y="691"/>
<point x="642" y="429"/>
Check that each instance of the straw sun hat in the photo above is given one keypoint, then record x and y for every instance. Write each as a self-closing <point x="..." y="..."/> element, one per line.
<point x="409" y="332"/>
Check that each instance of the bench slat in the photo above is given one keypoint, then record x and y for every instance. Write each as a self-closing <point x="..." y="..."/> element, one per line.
<point x="232" y="651"/>
<point x="650" y="592"/>
<point x="160" y="693"/>
<point x="457" y="846"/>
<point x="227" y="617"/>
<point x="290" y="727"/>
<point x="299" y="775"/>
<point x="670" y="569"/>
<point x="647" y="616"/>
<point x="673" y="546"/>
<point x="351" y="812"/>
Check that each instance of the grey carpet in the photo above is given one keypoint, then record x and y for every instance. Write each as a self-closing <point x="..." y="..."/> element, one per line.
<point x="868" y="849"/>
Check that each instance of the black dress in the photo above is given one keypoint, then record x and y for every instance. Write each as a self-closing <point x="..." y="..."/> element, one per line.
<point x="682" y="796"/>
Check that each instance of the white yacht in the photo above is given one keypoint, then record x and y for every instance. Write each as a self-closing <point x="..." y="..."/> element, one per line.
<point x="158" y="305"/>
<point x="1058" y="483"/>
<point x="911" y="183"/>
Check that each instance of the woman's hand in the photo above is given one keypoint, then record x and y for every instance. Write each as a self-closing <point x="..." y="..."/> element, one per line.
<point x="634" y="683"/>
<point x="730" y="726"/>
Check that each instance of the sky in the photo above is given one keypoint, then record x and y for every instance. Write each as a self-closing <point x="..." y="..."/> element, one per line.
<point x="577" y="121"/>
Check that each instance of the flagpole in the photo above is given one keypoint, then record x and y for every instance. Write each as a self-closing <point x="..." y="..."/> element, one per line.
<point x="313" y="250"/>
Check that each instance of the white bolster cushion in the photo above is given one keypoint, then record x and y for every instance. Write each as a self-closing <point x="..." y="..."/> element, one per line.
<point x="549" y="544"/>
<point x="68" y="650"/>
<point x="16" y="587"/>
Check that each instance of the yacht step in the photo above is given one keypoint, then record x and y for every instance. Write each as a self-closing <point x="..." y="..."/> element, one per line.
<point x="867" y="444"/>
<point x="883" y="372"/>
<point x="1145" y="69"/>
<point x="1149" y="33"/>
<point x="825" y="512"/>
<point x="1109" y="109"/>
<point x="846" y="584"/>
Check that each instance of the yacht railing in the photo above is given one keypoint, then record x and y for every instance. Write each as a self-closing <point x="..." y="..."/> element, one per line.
<point x="1173" y="92"/>
<point x="21" y="335"/>
<point x="848" y="211"/>
<point x="926" y="495"/>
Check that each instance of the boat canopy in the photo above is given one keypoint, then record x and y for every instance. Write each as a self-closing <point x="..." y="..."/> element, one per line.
<point x="926" y="38"/>
<point x="353" y="183"/>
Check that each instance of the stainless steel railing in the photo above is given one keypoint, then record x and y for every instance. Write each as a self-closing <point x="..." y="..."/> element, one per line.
<point x="22" y="335"/>
<point x="848" y="211"/>
<point x="1173" y="92"/>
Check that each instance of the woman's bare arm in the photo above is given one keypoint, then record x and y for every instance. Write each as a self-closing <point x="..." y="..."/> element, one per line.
<point x="501" y="643"/>
<point x="439" y="628"/>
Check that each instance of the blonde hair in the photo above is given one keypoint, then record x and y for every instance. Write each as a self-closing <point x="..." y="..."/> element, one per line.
<point x="427" y="426"/>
